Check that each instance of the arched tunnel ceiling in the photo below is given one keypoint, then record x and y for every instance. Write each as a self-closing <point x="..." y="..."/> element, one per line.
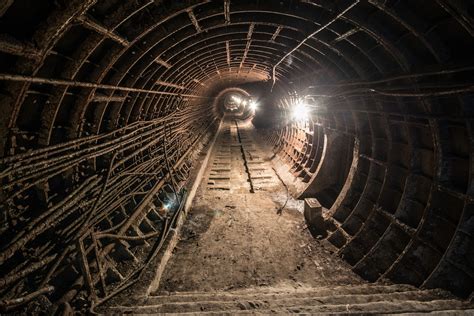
<point x="185" y="47"/>
<point x="95" y="95"/>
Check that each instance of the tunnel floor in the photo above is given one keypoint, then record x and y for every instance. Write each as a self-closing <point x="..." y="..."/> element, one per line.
<point x="245" y="248"/>
<point x="234" y="238"/>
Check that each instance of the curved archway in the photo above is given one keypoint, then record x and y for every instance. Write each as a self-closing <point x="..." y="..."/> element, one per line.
<point x="105" y="106"/>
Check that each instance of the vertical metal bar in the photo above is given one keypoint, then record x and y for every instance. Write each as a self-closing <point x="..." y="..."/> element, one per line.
<point x="85" y="268"/>
<point x="99" y="266"/>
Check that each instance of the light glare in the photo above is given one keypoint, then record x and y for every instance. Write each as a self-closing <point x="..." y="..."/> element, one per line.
<point x="300" y="111"/>
<point x="253" y="105"/>
<point x="167" y="206"/>
<point x="236" y="99"/>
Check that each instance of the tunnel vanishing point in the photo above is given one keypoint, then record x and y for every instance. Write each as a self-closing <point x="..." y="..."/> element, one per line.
<point x="121" y="119"/>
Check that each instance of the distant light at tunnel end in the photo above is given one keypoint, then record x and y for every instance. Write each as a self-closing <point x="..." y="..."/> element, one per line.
<point x="236" y="99"/>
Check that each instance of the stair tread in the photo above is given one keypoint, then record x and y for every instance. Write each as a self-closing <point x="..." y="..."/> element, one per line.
<point x="284" y="299"/>
<point x="329" y="299"/>
<point x="306" y="296"/>
<point x="259" y="290"/>
<point x="384" y="306"/>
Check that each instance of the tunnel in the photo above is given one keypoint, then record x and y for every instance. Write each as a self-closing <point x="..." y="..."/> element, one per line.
<point x="181" y="156"/>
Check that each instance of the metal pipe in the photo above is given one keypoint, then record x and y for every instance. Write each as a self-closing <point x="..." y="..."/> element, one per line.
<point x="71" y="83"/>
<point x="9" y="279"/>
<point x="5" y="305"/>
<point x="401" y="93"/>
<point x="400" y="77"/>
<point x="308" y="37"/>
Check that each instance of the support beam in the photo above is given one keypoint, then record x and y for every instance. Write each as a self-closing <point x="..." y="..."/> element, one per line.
<point x="346" y="35"/>
<point x="247" y="47"/>
<point x="202" y="70"/>
<point x="199" y="82"/>
<point x="217" y="68"/>
<point x="250" y="32"/>
<point x="168" y="84"/>
<point x="406" y="76"/>
<point x="402" y="91"/>
<point x="310" y="36"/>
<point x="460" y="16"/>
<point x="227" y="11"/>
<point x="163" y="63"/>
<point x="106" y="98"/>
<point x="142" y="207"/>
<point x="227" y="47"/>
<point x="92" y="25"/>
<point x="70" y="83"/>
<point x="193" y="19"/>
<point x="14" y="47"/>
<point x="4" y="5"/>
<point x="251" y="69"/>
<point x="275" y="35"/>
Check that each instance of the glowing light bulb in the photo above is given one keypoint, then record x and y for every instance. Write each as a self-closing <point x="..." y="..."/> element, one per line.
<point x="300" y="111"/>
<point x="244" y="103"/>
<point x="167" y="206"/>
<point x="253" y="105"/>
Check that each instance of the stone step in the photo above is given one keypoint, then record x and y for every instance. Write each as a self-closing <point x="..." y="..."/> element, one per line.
<point x="376" y="308"/>
<point x="408" y="301"/>
<point x="286" y="291"/>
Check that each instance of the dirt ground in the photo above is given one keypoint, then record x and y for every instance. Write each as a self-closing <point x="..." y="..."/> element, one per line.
<point x="235" y="239"/>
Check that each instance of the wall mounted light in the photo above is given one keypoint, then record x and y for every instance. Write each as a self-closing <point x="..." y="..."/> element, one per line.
<point x="300" y="110"/>
<point x="253" y="105"/>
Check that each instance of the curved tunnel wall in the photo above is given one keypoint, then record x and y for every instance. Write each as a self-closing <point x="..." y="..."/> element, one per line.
<point x="403" y="210"/>
<point x="104" y="105"/>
